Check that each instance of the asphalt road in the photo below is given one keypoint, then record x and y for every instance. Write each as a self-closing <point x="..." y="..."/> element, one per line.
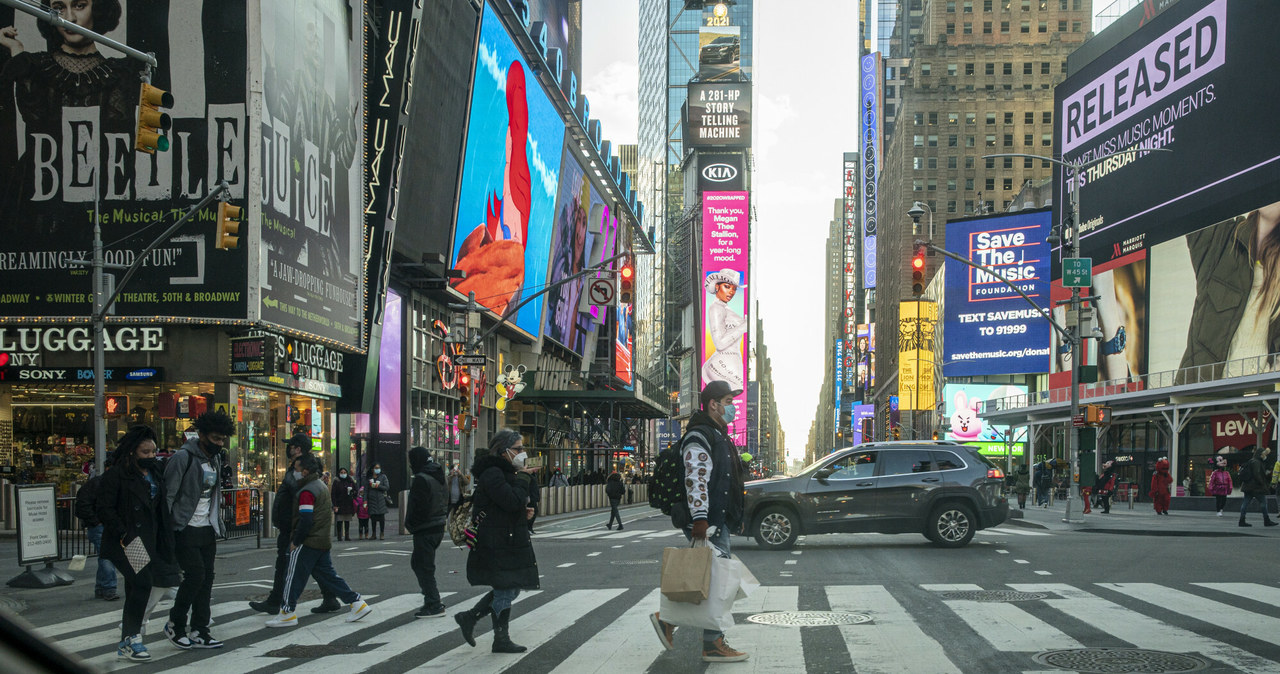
<point x="1025" y="597"/>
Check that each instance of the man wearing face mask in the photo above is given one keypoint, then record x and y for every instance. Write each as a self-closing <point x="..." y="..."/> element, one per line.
<point x="714" y="482"/>
<point x="194" y="495"/>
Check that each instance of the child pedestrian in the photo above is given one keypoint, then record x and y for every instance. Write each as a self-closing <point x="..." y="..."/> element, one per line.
<point x="1220" y="483"/>
<point x="362" y="514"/>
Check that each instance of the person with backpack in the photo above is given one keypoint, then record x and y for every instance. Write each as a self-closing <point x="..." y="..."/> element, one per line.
<point x="614" y="490"/>
<point x="425" y="519"/>
<point x="1254" y="483"/>
<point x="713" y="473"/>
<point x="104" y="583"/>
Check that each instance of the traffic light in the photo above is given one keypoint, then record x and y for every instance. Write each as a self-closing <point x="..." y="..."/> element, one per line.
<point x="626" y="284"/>
<point x="152" y="123"/>
<point x="897" y="432"/>
<point x="917" y="270"/>
<point x="116" y="406"/>
<point x="228" y="226"/>
<point x="1097" y="415"/>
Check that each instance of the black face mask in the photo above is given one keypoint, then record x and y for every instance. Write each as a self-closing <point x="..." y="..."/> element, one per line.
<point x="149" y="463"/>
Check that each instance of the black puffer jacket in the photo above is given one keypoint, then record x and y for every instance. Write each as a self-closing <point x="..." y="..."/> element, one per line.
<point x="503" y="555"/>
<point x="428" y="506"/>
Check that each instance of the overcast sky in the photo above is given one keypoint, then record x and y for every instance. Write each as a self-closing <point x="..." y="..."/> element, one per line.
<point x="805" y="79"/>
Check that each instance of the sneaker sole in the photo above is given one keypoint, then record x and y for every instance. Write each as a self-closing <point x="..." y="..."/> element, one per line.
<point x="361" y="614"/>
<point x="126" y="656"/>
<point x="662" y="636"/>
<point x="291" y="623"/>
<point x="431" y="615"/>
<point x="207" y="647"/>
<point x="717" y="658"/>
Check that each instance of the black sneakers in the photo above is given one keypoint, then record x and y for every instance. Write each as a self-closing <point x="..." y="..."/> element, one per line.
<point x="430" y="612"/>
<point x="202" y="639"/>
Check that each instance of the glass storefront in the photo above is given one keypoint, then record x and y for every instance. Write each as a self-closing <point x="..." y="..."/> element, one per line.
<point x="267" y="420"/>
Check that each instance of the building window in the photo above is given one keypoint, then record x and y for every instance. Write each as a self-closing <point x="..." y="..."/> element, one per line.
<point x="951" y="29"/>
<point x="953" y="118"/>
<point x="951" y="184"/>
<point x="917" y="185"/>
<point x="991" y="183"/>
<point x="1062" y="25"/>
<point x="951" y="6"/>
<point x="1026" y="68"/>
<point x="1044" y="67"/>
<point x="1064" y="68"/>
<point x="986" y="27"/>
<point x="1028" y="118"/>
<point x="917" y="163"/>
<point x="1008" y="118"/>
<point x="1026" y="5"/>
<point x="990" y="68"/>
<point x="1007" y="183"/>
<point x="953" y="140"/>
<point x="970" y="117"/>
<point x="1042" y="27"/>
<point x="919" y="119"/>
<point x="968" y="162"/>
<point x="951" y="69"/>
<point x="1004" y="26"/>
<point x="1007" y="69"/>
<point x="917" y="141"/>
<point x="968" y="6"/>
<point x="951" y="205"/>
<point x="991" y="140"/>
<point x="968" y="183"/>
<point x="1075" y="26"/>
<point x="968" y="28"/>
<point x="1008" y="140"/>
<point x="926" y="69"/>
<point x="1046" y="140"/>
<point x="951" y="162"/>
<point x="991" y="163"/>
<point x="1028" y="140"/>
<point x="1062" y="5"/>
<point x="933" y="119"/>
<point x="986" y="5"/>
<point x="1046" y="118"/>
<point x="968" y="205"/>
<point x="991" y="118"/>
<point x="933" y="140"/>
<point x="1027" y="162"/>
<point x="1008" y="162"/>
<point x="968" y="141"/>
<point x="1024" y="27"/>
<point x="1075" y="4"/>
<point x="933" y="162"/>
<point x="931" y="184"/>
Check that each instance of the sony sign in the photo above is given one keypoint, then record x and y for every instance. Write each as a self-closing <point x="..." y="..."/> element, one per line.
<point x="721" y="171"/>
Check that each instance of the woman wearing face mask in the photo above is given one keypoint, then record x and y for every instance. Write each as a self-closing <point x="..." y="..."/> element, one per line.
<point x="132" y="505"/>
<point x="503" y="554"/>
<point x="343" y="494"/>
<point x="376" y="493"/>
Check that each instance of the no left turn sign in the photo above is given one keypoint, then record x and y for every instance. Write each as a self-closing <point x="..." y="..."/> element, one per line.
<point x="602" y="292"/>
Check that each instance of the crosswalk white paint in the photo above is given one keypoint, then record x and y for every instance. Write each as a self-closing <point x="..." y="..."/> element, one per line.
<point x="607" y="630"/>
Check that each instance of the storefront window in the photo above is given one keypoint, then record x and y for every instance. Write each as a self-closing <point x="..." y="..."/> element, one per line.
<point x="267" y="420"/>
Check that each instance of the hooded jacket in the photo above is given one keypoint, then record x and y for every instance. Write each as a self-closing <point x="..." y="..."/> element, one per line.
<point x="183" y="482"/>
<point x="503" y="554"/>
<point x="713" y="473"/>
<point x="428" y="506"/>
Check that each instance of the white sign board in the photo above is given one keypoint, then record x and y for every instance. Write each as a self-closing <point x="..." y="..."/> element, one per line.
<point x="37" y="523"/>
<point x="602" y="292"/>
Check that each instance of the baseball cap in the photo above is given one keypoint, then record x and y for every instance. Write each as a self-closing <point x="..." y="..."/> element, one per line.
<point x="717" y="389"/>
<point x="299" y="440"/>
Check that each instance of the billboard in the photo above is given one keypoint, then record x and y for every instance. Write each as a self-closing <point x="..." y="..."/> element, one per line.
<point x="870" y="129"/>
<point x="989" y="328"/>
<point x="1187" y="82"/>
<point x="719" y="53"/>
<point x="510" y="180"/>
<point x="719" y="115"/>
<point x="722" y="172"/>
<point x="861" y="414"/>
<point x="964" y="402"/>
<point x="850" y="281"/>
<point x="577" y="205"/>
<point x="864" y="353"/>
<point x="67" y="126"/>
<point x="915" y="355"/>
<point x="311" y="264"/>
<point x="624" y="336"/>
<point x="725" y="236"/>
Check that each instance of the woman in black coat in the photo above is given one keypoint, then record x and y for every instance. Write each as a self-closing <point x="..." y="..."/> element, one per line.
<point x="131" y="504"/>
<point x="503" y="554"/>
<point x="343" y="495"/>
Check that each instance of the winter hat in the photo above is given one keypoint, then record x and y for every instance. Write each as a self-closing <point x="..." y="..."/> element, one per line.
<point x="730" y="276"/>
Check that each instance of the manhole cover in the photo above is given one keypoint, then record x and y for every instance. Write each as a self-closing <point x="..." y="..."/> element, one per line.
<point x="994" y="595"/>
<point x="15" y="605"/>
<point x="313" y="651"/>
<point x="1107" y="660"/>
<point x="808" y="618"/>
<point x="629" y="562"/>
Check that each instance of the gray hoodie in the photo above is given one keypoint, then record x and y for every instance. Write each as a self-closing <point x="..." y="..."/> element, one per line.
<point x="183" y="482"/>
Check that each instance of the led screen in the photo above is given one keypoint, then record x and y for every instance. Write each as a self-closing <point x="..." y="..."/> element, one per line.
<point x="725" y="235"/>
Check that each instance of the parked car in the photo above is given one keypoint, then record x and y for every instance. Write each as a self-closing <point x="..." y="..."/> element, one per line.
<point x="944" y="490"/>
<point x="720" y="50"/>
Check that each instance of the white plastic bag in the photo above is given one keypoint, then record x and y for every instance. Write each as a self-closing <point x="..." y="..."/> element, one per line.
<point x="730" y="581"/>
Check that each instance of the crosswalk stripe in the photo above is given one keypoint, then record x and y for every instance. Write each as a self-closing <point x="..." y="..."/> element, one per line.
<point x="892" y="642"/>
<point x="1265" y="594"/>
<point x="769" y="598"/>
<point x="771" y="648"/>
<point x="1222" y="615"/>
<point x="1015" y="532"/>
<point x="1008" y="627"/>
<point x="112" y="618"/>
<point x="1141" y="630"/>
<point x="627" y="644"/>
<point x="531" y="630"/>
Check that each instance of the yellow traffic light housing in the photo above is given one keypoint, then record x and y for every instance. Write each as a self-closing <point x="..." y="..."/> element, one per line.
<point x="152" y="123"/>
<point x="228" y="226"/>
<point x="917" y="270"/>
<point x="626" y="284"/>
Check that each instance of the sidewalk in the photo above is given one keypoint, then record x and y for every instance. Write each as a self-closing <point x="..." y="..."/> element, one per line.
<point x="1141" y="520"/>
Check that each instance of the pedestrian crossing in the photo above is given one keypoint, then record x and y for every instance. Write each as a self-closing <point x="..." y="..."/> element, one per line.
<point x="601" y="534"/>
<point x="927" y="627"/>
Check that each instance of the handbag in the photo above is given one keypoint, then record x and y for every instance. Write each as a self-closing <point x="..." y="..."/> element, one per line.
<point x="136" y="554"/>
<point x="730" y="581"/>
<point x="462" y="524"/>
<point x="686" y="573"/>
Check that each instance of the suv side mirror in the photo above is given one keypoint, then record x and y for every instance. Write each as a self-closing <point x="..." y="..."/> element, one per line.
<point x="823" y="474"/>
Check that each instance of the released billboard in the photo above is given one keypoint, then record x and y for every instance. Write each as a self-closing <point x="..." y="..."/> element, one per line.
<point x="964" y="402"/>
<point x="725" y="236"/>
<point x="67" y="127"/>
<point x="719" y="115"/>
<point x="1188" y="81"/>
<point x="510" y="180"/>
<point x="987" y="327"/>
<point x="312" y="234"/>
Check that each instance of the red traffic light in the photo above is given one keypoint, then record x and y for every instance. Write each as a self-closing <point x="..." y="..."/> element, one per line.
<point x="917" y="262"/>
<point x="627" y="272"/>
<point x="626" y="284"/>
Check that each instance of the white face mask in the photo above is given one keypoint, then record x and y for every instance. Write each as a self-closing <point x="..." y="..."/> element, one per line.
<point x="519" y="459"/>
<point x="377" y="471"/>
<point x="297" y="475"/>
<point x="343" y="475"/>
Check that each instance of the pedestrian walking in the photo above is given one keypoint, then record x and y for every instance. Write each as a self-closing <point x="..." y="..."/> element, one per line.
<point x="194" y="494"/>
<point x="614" y="489"/>
<point x="458" y="483"/>
<point x="559" y="480"/>
<point x="503" y="556"/>
<point x="362" y="514"/>
<point x="343" y="493"/>
<point x="714" y="486"/>
<point x="309" y="546"/>
<point x="1022" y="485"/>
<point x="1220" y="483"/>
<point x="1106" y="485"/>
<point x="282" y="519"/>
<point x="1254" y="484"/>
<point x="104" y="583"/>
<point x="1043" y="477"/>
<point x="131" y="505"/>
<point x="425" y="518"/>
<point x="376" y="494"/>
<point x="1160" y="482"/>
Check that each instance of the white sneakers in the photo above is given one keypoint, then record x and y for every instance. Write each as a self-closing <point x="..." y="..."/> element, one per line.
<point x="284" y="619"/>
<point x="1219" y="513"/>
<point x="359" y="609"/>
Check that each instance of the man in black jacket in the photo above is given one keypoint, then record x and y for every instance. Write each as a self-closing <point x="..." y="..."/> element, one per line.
<point x="282" y="520"/>
<point x="427" y="512"/>
<point x="1255" y="485"/>
<point x="104" y="585"/>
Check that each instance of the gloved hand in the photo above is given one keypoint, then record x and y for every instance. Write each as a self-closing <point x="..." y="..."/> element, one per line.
<point x="699" y="530"/>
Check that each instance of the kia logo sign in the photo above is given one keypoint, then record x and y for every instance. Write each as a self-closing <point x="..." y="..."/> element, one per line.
<point x="719" y="173"/>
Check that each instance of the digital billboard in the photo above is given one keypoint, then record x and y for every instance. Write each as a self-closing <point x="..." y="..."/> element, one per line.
<point x="67" y="128"/>
<point x="864" y="355"/>
<point x="719" y="52"/>
<point x="510" y="180"/>
<point x="861" y="414"/>
<point x="850" y="283"/>
<point x="577" y="206"/>
<point x="624" y="336"/>
<point x="1189" y="82"/>
<point x="719" y="115"/>
<point x="870" y="128"/>
<point x="964" y="402"/>
<point x="988" y="328"/>
<point x="916" y="348"/>
<point x="725" y="236"/>
<point x="722" y="172"/>
<point x="312" y="234"/>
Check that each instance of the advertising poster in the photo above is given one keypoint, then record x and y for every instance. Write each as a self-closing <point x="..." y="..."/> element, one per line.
<point x="989" y="328"/>
<point x="916" y="355"/>
<point x="870" y="83"/>
<point x="725" y="235"/>
<point x="865" y="355"/>
<point x="1121" y="314"/>
<point x="964" y="402"/>
<point x="510" y="179"/>
<point x="623" y="343"/>
<point x="721" y="172"/>
<point x="719" y="115"/>
<point x="861" y="414"/>
<point x="570" y="248"/>
<point x="68" y="111"/>
<point x="719" y="53"/>
<point x="850" y="278"/>
<point x="312" y="178"/>
<point x="1189" y="82"/>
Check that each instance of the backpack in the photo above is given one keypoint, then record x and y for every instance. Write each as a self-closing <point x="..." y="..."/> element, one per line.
<point x="666" y="487"/>
<point x="459" y="526"/>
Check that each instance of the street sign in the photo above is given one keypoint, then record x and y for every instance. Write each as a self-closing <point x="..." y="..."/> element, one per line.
<point x="1078" y="421"/>
<point x="470" y="359"/>
<point x="602" y="292"/>
<point x="1077" y="272"/>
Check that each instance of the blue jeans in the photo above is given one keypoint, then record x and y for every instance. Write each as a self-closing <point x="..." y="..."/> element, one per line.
<point x="303" y="562"/>
<point x="1249" y="498"/>
<point x="106" y="579"/>
<point x="720" y="539"/>
<point x="502" y="599"/>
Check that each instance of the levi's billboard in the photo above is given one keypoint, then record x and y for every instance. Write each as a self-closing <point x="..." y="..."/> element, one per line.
<point x="987" y="327"/>
<point x="1194" y="81"/>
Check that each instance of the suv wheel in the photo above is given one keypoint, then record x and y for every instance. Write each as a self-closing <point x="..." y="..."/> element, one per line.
<point x="951" y="525"/>
<point x="776" y="529"/>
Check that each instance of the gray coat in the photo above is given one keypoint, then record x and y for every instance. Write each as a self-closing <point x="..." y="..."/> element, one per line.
<point x="183" y="481"/>
<point x="376" y="493"/>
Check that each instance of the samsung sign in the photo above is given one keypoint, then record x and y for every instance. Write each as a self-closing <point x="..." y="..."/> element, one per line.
<point x="721" y="172"/>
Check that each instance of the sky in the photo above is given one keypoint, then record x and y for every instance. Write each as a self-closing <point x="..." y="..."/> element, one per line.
<point x="804" y="122"/>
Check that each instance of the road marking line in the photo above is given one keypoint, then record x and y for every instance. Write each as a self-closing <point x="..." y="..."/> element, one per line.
<point x="790" y="561"/>
<point x="380" y="566"/>
<point x="992" y="620"/>
<point x="1021" y="561"/>
<point x="593" y="554"/>
<point x="1002" y="552"/>
<point x="259" y="568"/>
<point x="565" y="565"/>
<point x="1043" y="573"/>
<point x="893" y="641"/>
<point x="615" y="547"/>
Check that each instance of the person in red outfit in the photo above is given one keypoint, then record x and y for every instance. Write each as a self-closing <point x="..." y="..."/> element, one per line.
<point x="1160" y="487"/>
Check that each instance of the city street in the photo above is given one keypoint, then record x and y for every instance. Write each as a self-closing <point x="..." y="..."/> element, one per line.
<point x="1202" y="593"/>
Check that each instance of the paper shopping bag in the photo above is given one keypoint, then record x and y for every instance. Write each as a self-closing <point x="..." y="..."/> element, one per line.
<point x="686" y="573"/>
<point x="136" y="554"/>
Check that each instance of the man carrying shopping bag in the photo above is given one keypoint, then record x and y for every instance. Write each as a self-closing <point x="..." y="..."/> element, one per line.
<point x="713" y="479"/>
